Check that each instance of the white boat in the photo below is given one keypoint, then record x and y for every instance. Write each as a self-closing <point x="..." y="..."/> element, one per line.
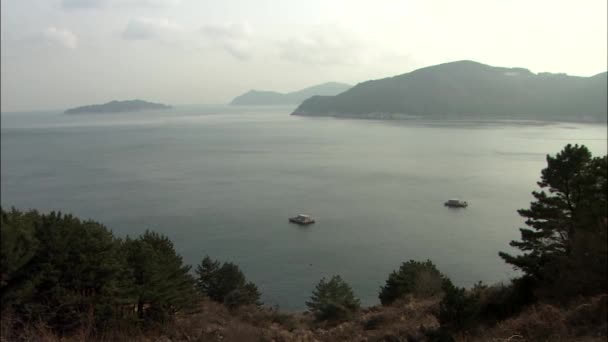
<point x="302" y="219"/>
<point x="456" y="203"/>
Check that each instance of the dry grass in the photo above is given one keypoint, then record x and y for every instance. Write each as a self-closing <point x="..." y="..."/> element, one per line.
<point x="583" y="321"/>
<point x="399" y="321"/>
<point x="214" y="322"/>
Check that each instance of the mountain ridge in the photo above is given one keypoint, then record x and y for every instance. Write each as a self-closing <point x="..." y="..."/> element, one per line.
<point x="468" y="89"/>
<point x="266" y="97"/>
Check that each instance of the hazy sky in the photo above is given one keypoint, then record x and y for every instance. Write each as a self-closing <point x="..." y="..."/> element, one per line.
<point x="64" y="53"/>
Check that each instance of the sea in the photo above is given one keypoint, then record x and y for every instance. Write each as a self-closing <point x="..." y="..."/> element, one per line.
<point x="223" y="180"/>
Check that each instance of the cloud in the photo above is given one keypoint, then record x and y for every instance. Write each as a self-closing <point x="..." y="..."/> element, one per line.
<point x="97" y="4"/>
<point x="60" y="36"/>
<point x="234" y="38"/>
<point x="83" y="4"/>
<point x="152" y="3"/>
<point x="324" y="46"/>
<point x="234" y="31"/>
<point x="152" y="29"/>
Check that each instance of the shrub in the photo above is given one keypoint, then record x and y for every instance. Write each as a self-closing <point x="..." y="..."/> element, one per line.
<point x="333" y="300"/>
<point x="374" y="322"/>
<point x="590" y="317"/>
<point x="435" y="335"/>
<point x="286" y="320"/>
<point x="458" y="309"/>
<point x="542" y="322"/>
<point x="421" y="279"/>
<point x="498" y="302"/>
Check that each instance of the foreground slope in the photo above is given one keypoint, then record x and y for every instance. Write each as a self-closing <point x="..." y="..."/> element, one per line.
<point x="469" y="89"/>
<point x="261" y="98"/>
<point x="404" y="321"/>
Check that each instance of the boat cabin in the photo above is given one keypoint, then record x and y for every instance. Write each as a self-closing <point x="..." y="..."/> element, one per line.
<point x="302" y="219"/>
<point x="456" y="203"/>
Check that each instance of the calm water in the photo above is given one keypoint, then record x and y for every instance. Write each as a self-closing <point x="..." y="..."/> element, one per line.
<point x="222" y="181"/>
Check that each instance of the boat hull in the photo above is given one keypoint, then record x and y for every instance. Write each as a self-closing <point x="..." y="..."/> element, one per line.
<point x="456" y="205"/>
<point x="300" y="222"/>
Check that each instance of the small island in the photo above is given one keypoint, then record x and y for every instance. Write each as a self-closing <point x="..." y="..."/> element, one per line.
<point x="118" y="107"/>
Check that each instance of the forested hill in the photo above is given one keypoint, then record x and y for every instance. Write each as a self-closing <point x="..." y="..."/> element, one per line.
<point x="118" y="106"/>
<point x="469" y="89"/>
<point x="262" y="97"/>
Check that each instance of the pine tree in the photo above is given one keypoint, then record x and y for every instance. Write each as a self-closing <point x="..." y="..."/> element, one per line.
<point x="206" y="272"/>
<point x="18" y="246"/>
<point x="73" y="268"/>
<point x="333" y="300"/>
<point x="161" y="282"/>
<point x="225" y="283"/>
<point x="245" y="295"/>
<point x="413" y="277"/>
<point x="567" y="223"/>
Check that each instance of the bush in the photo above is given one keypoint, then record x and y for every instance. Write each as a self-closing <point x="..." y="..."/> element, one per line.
<point x="462" y="310"/>
<point x="374" y="322"/>
<point x="435" y="335"/>
<point x="333" y="300"/>
<point x="500" y="301"/>
<point x="286" y="320"/>
<point x="542" y="322"/>
<point x="421" y="279"/>
<point x="590" y="317"/>
<point x="458" y="309"/>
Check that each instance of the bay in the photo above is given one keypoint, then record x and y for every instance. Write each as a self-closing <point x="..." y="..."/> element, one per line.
<point x="222" y="181"/>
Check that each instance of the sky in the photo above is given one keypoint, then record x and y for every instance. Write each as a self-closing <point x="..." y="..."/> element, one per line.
<point x="57" y="54"/>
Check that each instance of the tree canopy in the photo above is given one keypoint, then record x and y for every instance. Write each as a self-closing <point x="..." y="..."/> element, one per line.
<point x="56" y="267"/>
<point x="333" y="300"/>
<point x="417" y="278"/>
<point x="565" y="242"/>
<point x="225" y="283"/>
<point x="160" y="279"/>
<point x="60" y="270"/>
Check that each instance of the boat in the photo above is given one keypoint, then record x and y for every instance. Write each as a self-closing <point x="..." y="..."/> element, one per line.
<point x="302" y="219"/>
<point x="456" y="203"/>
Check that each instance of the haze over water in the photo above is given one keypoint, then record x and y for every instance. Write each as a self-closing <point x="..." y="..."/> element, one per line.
<point x="223" y="180"/>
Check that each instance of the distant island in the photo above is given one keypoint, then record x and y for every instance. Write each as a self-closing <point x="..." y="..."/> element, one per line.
<point x="118" y="106"/>
<point x="266" y="98"/>
<point x="469" y="89"/>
